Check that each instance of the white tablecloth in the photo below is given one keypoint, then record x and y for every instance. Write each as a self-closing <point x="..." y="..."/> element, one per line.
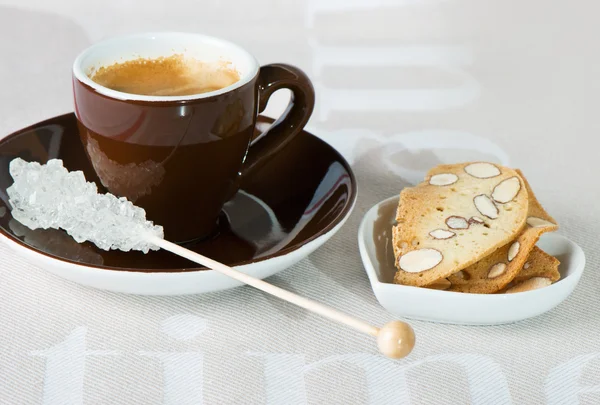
<point x="512" y="81"/>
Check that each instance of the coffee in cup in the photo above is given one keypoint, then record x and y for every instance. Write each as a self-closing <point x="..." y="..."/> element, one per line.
<point x="175" y="75"/>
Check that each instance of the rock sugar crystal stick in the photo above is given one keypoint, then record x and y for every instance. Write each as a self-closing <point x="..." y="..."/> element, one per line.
<point x="49" y="196"/>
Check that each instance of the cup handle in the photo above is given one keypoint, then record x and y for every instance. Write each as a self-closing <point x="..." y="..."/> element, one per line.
<point x="272" y="78"/>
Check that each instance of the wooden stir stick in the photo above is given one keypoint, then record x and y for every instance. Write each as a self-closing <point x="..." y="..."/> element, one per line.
<point x="395" y="339"/>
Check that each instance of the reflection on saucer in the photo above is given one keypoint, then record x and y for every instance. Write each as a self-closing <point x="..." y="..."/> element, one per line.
<point x="336" y="177"/>
<point x="131" y="180"/>
<point x="56" y="243"/>
<point x="255" y="222"/>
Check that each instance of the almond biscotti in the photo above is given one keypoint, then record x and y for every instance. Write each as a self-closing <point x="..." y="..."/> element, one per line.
<point x="459" y="215"/>
<point x="539" y="264"/>
<point x="540" y="270"/>
<point x="496" y="271"/>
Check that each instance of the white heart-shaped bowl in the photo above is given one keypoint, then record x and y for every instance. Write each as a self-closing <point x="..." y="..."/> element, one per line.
<point x="375" y="245"/>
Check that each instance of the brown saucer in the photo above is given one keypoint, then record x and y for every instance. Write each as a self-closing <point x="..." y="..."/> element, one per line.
<point x="301" y="194"/>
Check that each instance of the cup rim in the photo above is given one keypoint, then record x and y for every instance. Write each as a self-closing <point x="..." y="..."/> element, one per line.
<point x="82" y="77"/>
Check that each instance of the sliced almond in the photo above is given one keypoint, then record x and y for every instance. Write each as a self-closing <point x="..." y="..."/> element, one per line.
<point x="506" y="190"/>
<point x="475" y="220"/>
<point x="536" y="222"/>
<point x="497" y="270"/>
<point x="456" y="222"/>
<point x="460" y="274"/>
<point x="420" y="260"/>
<point x="482" y="170"/>
<point x="513" y="250"/>
<point x="486" y="206"/>
<point x="532" y="284"/>
<point x="527" y="265"/>
<point x="441" y="284"/>
<point x="442" y="234"/>
<point x="443" y="179"/>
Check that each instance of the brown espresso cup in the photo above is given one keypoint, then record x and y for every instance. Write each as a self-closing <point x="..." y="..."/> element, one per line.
<point x="181" y="157"/>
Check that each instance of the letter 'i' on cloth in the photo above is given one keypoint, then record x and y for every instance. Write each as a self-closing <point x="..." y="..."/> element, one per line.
<point x="49" y="196"/>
